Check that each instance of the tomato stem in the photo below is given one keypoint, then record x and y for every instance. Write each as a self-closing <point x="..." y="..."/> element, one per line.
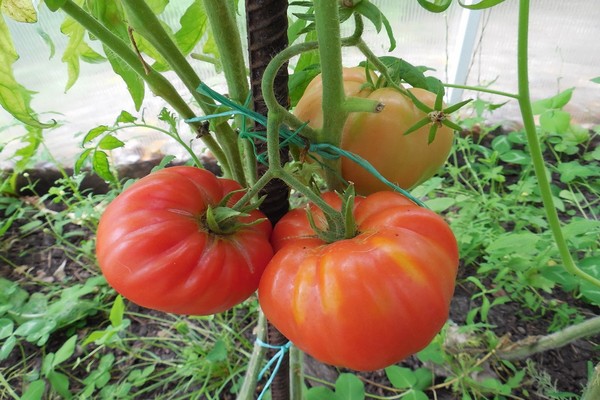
<point x="535" y="148"/>
<point x="146" y="23"/>
<point x="157" y="83"/>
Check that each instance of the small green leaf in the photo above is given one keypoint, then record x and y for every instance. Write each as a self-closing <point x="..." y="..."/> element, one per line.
<point x="125" y="118"/>
<point x="101" y="165"/>
<point x="596" y="79"/>
<point x="555" y="102"/>
<point x="60" y="384"/>
<point x="36" y="389"/>
<point x="320" y="393"/>
<point x="555" y="121"/>
<point x="19" y="10"/>
<point x="81" y="160"/>
<point x="7" y="347"/>
<point x="415" y="395"/>
<point x="436" y="6"/>
<point x="94" y="133"/>
<point x="217" y="353"/>
<point x="401" y="378"/>
<point x="117" y="311"/>
<point x="6" y="328"/>
<point x="65" y="351"/>
<point x="483" y="4"/>
<point x="54" y="5"/>
<point x="349" y="387"/>
<point x="110" y="142"/>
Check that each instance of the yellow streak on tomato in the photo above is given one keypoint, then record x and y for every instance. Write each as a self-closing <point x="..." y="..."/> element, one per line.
<point x="401" y="259"/>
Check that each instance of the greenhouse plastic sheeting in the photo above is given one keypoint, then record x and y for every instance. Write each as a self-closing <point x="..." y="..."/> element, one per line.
<point x="564" y="53"/>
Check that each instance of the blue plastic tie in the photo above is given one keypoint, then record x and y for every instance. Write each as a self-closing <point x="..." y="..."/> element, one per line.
<point x="277" y="359"/>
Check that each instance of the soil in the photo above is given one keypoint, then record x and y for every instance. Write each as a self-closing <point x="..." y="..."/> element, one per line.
<point x="567" y="368"/>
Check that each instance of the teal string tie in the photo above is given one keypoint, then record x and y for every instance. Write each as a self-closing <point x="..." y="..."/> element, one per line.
<point x="289" y="137"/>
<point x="277" y="359"/>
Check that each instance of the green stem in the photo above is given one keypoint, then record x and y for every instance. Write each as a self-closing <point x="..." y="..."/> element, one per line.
<point x="328" y="36"/>
<point x="157" y="83"/>
<point x="146" y="23"/>
<point x="527" y="347"/>
<point x="296" y="373"/>
<point x="592" y="390"/>
<point x="7" y="387"/>
<point x="483" y="90"/>
<point x="227" y="38"/>
<point x="248" y="389"/>
<point x="535" y="148"/>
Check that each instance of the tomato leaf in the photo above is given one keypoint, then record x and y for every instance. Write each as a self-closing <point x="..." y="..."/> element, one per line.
<point x="110" y="142"/>
<point x="14" y="97"/>
<point x="101" y="166"/>
<point x="94" y="133"/>
<point x="436" y="6"/>
<point x="76" y="49"/>
<point x="401" y="70"/>
<point x="193" y="26"/>
<point x="483" y="4"/>
<point x="377" y="17"/>
<point x="19" y="10"/>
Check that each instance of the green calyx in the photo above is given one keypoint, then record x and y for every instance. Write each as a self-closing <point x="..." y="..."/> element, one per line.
<point x="340" y="225"/>
<point x="223" y="220"/>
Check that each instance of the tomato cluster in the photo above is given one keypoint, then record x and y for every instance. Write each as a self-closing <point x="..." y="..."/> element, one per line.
<point x="362" y="303"/>
<point x="364" y="299"/>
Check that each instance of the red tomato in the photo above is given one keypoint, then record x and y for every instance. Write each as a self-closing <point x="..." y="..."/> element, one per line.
<point x="154" y="248"/>
<point x="367" y="302"/>
<point x="406" y="160"/>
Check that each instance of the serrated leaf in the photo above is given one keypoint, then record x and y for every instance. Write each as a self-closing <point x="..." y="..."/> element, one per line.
<point x="76" y="49"/>
<point x="101" y="166"/>
<point x="19" y="10"/>
<point x="125" y="118"/>
<point x="94" y="133"/>
<point x="81" y="160"/>
<point x="194" y="23"/>
<point x="349" y="387"/>
<point x="14" y="97"/>
<point x="110" y="142"/>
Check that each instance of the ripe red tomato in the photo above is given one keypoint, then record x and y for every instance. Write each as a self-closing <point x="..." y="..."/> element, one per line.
<point x="406" y="160"/>
<point x="154" y="248"/>
<point x="367" y="302"/>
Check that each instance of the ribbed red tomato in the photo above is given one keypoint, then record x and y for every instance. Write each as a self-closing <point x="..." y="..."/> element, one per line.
<point x="154" y="247"/>
<point x="367" y="302"/>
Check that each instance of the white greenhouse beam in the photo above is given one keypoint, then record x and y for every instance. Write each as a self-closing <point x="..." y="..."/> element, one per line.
<point x="465" y="46"/>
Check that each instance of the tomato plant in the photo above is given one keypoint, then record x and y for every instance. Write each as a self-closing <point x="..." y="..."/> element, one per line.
<point x="156" y="246"/>
<point x="404" y="159"/>
<point x="368" y="301"/>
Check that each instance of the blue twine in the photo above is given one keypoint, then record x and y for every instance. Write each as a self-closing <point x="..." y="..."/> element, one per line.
<point x="277" y="359"/>
<point x="324" y="150"/>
